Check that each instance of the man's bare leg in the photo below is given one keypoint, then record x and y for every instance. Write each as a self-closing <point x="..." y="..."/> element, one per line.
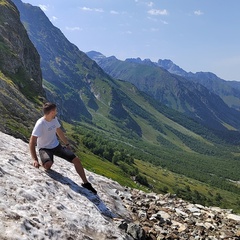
<point x="79" y="168"/>
<point x="48" y="165"/>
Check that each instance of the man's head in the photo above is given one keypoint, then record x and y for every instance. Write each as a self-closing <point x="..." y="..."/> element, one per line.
<point x="49" y="107"/>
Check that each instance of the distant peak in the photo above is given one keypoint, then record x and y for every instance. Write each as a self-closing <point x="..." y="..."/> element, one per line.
<point x="136" y="60"/>
<point x="95" y="55"/>
<point x="165" y="62"/>
<point x="171" y="67"/>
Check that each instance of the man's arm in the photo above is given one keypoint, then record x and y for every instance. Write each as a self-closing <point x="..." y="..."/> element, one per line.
<point x="61" y="135"/>
<point x="32" y="147"/>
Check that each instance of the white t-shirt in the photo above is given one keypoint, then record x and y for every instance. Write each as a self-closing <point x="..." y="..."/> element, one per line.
<point x="46" y="133"/>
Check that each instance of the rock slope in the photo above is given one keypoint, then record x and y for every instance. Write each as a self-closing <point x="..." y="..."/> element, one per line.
<point x="35" y="204"/>
<point x="168" y="217"/>
<point x="21" y="91"/>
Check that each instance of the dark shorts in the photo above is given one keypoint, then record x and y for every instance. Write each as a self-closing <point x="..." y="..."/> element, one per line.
<point x="60" y="151"/>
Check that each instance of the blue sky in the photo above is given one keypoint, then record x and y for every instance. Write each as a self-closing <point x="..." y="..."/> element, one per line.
<point x="197" y="35"/>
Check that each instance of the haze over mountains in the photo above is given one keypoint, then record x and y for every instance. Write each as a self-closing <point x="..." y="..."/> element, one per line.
<point x="154" y="116"/>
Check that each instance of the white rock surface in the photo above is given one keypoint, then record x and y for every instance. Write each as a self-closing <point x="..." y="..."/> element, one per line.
<point x="35" y="204"/>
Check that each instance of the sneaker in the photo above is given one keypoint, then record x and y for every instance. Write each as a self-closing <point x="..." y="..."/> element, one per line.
<point x="89" y="186"/>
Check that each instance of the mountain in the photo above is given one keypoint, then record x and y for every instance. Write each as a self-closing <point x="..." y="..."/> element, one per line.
<point x="171" y="67"/>
<point x="177" y="92"/>
<point x="229" y="91"/>
<point x="20" y="74"/>
<point x="72" y="79"/>
<point x="126" y="128"/>
<point x="65" y="69"/>
<point x="82" y="90"/>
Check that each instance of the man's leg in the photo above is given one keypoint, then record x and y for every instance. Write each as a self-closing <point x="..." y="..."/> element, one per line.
<point x="79" y="168"/>
<point x="68" y="155"/>
<point x="48" y="165"/>
<point x="46" y="157"/>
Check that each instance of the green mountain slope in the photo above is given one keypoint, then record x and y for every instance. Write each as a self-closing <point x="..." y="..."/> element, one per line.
<point x="188" y="97"/>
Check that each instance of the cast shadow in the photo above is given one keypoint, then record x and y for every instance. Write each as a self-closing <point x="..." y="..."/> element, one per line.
<point x="94" y="198"/>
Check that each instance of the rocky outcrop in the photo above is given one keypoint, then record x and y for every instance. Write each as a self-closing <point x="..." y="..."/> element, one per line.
<point x="168" y="217"/>
<point x="20" y="75"/>
<point x="19" y="59"/>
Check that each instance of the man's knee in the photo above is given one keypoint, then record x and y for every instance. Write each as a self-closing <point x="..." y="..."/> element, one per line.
<point x="76" y="160"/>
<point x="48" y="165"/>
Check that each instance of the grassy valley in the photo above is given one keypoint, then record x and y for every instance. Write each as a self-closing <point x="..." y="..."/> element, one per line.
<point x="189" y="178"/>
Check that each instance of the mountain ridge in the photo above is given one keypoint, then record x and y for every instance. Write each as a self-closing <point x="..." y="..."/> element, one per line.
<point x="227" y="90"/>
<point x="177" y="92"/>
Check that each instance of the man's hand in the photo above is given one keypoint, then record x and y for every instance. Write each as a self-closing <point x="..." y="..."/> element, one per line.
<point x="68" y="146"/>
<point x="36" y="164"/>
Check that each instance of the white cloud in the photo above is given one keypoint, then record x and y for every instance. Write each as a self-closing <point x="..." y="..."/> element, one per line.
<point x="43" y="7"/>
<point x="158" y="12"/>
<point x="114" y="12"/>
<point x="73" y="28"/>
<point x="198" y="12"/>
<point x="92" y="9"/>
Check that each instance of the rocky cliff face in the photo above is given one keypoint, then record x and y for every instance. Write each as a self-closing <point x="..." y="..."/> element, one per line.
<point x="18" y="57"/>
<point x="35" y="204"/>
<point x="65" y="68"/>
<point x="20" y="74"/>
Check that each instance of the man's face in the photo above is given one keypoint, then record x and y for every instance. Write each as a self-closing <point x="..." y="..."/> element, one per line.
<point x="54" y="113"/>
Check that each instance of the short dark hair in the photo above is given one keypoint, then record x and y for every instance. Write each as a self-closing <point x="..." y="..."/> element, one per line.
<point x="48" y="107"/>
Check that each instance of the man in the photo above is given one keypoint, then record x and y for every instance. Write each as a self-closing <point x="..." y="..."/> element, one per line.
<point x="44" y="135"/>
